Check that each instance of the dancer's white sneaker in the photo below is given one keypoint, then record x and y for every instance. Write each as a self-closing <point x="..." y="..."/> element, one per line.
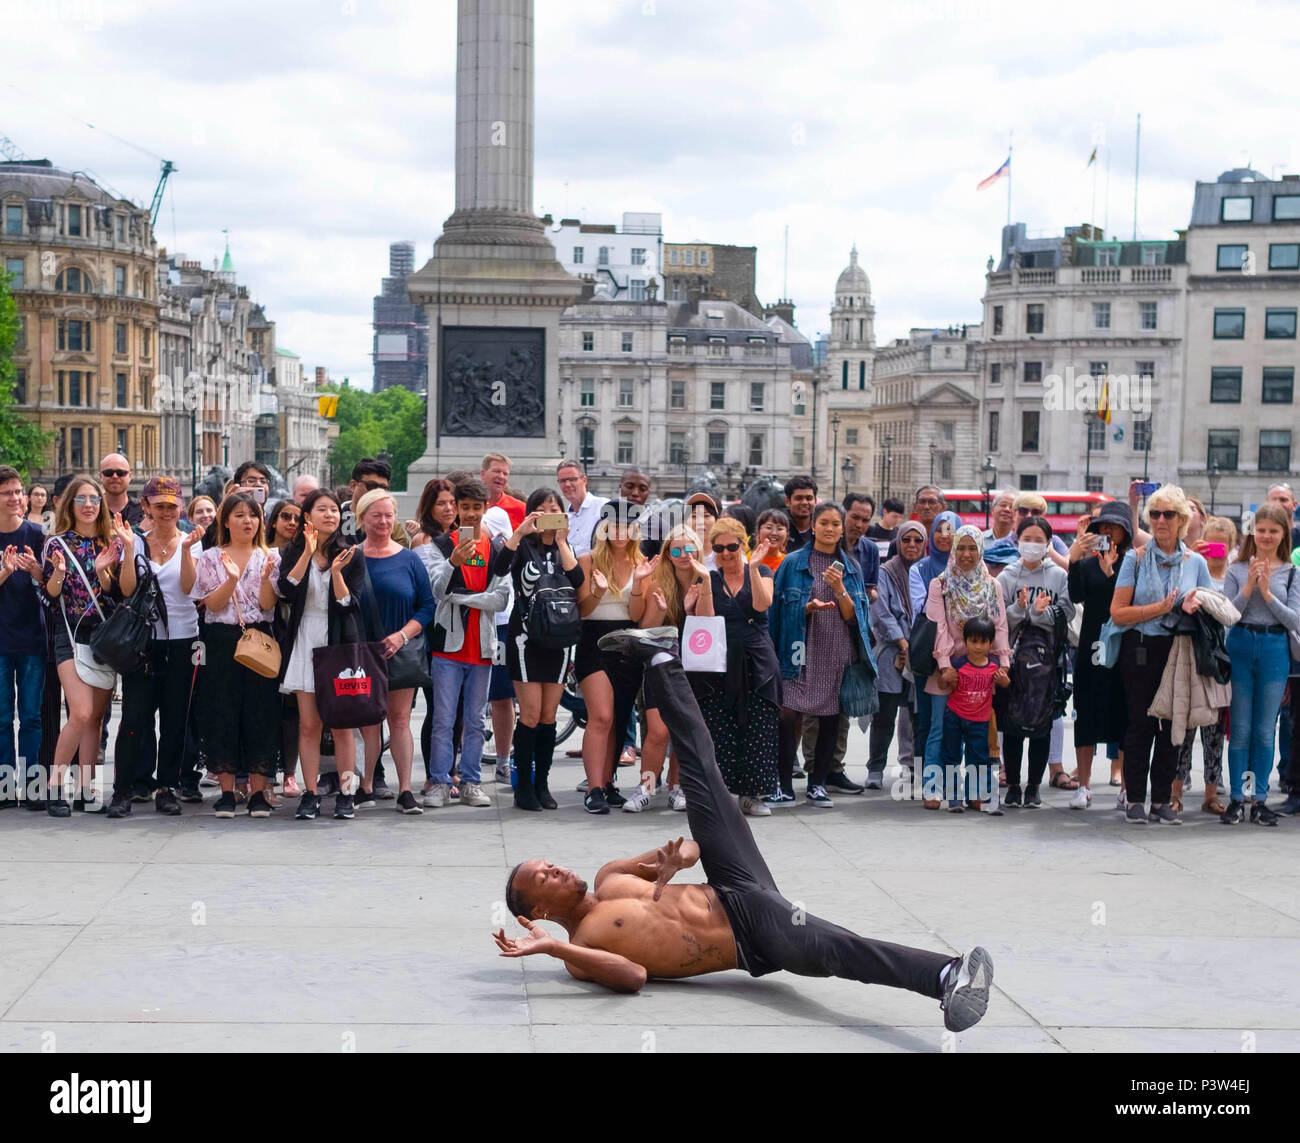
<point x="677" y="799"/>
<point x="754" y="807"/>
<point x="1082" y="798"/>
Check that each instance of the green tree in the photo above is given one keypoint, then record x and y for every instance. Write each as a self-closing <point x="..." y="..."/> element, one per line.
<point x="22" y="443"/>
<point x="371" y="423"/>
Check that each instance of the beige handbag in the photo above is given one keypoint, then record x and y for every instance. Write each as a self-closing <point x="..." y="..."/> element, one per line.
<point x="257" y="651"/>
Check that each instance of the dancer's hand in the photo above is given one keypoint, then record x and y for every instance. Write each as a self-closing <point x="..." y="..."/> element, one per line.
<point x="537" y="940"/>
<point x="668" y="859"/>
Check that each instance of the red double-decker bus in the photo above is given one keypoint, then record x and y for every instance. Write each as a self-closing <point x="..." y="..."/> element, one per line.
<point x="1063" y="508"/>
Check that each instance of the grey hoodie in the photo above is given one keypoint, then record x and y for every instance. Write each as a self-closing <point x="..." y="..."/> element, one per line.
<point x="1047" y="577"/>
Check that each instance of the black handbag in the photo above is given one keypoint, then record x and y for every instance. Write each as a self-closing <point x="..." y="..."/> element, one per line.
<point x="122" y="640"/>
<point x="920" y="646"/>
<point x="409" y="666"/>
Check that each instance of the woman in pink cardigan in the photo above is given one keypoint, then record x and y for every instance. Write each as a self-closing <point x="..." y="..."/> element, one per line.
<point x="965" y="589"/>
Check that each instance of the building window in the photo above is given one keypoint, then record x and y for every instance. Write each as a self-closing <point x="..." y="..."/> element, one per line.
<point x="74" y="335"/>
<point x="627" y="343"/>
<point x="756" y="396"/>
<point x="636" y="290"/>
<point x="1096" y="434"/>
<point x="20" y="346"/>
<point x="1101" y="315"/>
<point x="120" y="391"/>
<point x="13" y="219"/>
<point x="626" y="444"/>
<point x="756" y="448"/>
<point x="1286" y="206"/>
<point x="1153" y="255"/>
<point x="677" y="345"/>
<point x="844" y="374"/>
<point x="72" y="281"/>
<point x="70" y="388"/>
<point x="1033" y="372"/>
<point x="1225" y="385"/>
<point x="14" y="269"/>
<point x="997" y="319"/>
<point x="945" y="468"/>
<point x="797" y="452"/>
<point x="74" y="221"/>
<point x="1034" y="318"/>
<point x="995" y="419"/>
<point x="122" y="435"/>
<point x="676" y="448"/>
<point x="1284" y="256"/>
<point x="577" y="255"/>
<point x="1098" y="369"/>
<point x="947" y="430"/>
<point x="850" y="436"/>
<point x="626" y="393"/>
<point x="1029" y="430"/>
<point x="717" y="394"/>
<point x="862" y="375"/>
<point x="717" y="347"/>
<point x="588" y="341"/>
<point x="1142" y="435"/>
<point x="1223" y="449"/>
<point x="638" y="255"/>
<point x="121" y="227"/>
<point x="800" y="408"/>
<point x="76" y="450"/>
<point x="717" y="448"/>
<point x="677" y="394"/>
<point x="1107" y="255"/>
<point x="688" y="257"/>
<point x="1147" y="314"/>
<point x="1231" y="257"/>
<point x="119" y="337"/>
<point x="602" y="257"/>
<point x="1236" y="208"/>
<point x="587" y="392"/>
<point x="1274" y="450"/>
<point x="587" y="445"/>
<point x="1279" y="323"/>
<point x="1095" y="484"/>
<point x="673" y="258"/>
<point x="119" y="281"/>
<point x="146" y="343"/>
<point x="704" y="257"/>
<point x="995" y="374"/>
<point x="1028" y="483"/>
<point x="1229" y="323"/>
<point x="1145" y="369"/>
<point x="1279" y="384"/>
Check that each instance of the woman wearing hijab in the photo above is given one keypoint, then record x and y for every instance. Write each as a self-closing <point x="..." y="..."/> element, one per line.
<point x="964" y="589"/>
<point x="891" y="623"/>
<point x="922" y="573"/>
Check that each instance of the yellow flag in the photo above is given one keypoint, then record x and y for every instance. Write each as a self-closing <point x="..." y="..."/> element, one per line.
<point x="329" y="405"/>
<point x="1103" y="403"/>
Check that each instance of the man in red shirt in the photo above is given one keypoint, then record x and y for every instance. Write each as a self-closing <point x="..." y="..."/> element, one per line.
<point x="463" y="639"/>
<point x="966" y="720"/>
<point x="496" y="475"/>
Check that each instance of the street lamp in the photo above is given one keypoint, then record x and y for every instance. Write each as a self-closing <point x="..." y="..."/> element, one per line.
<point x="989" y="478"/>
<point x="888" y="464"/>
<point x="848" y="468"/>
<point x="932" y="448"/>
<point x="1213" y="476"/>
<point x="564" y="449"/>
<point x="225" y="447"/>
<point x="835" y="454"/>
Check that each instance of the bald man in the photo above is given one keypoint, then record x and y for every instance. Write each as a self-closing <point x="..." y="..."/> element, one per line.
<point x="115" y="474"/>
<point x="303" y="487"/>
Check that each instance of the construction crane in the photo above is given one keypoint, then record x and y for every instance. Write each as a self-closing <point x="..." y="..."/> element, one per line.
<point x="167" y="167"/>
<point x="10" y="150"/>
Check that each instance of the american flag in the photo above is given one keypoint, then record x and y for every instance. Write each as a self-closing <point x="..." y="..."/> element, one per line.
<point x="1002" y="172"/>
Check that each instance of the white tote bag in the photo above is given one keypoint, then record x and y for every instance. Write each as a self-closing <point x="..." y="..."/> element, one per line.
<point x="704" y="643"/>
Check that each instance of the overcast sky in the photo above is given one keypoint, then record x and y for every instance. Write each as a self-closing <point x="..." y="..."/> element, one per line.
<point x="318" y="132"/>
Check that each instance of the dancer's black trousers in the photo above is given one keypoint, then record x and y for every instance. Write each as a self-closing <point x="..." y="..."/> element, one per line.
<point x="771" y="933"/>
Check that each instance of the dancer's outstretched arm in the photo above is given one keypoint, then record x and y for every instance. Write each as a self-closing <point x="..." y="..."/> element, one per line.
<point x="657" y="865"/>
<point x="605" y="968"/>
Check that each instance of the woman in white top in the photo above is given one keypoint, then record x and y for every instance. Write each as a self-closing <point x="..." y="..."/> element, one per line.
<point x="320" y="580"/>
<point x="609" y="682"/>
<point x="162" y="688"/>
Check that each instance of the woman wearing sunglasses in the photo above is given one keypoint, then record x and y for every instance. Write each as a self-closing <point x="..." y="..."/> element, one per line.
<point x="677" y="582"/>
<point x="818" y="627"/>
<point x="1151" y="594"/>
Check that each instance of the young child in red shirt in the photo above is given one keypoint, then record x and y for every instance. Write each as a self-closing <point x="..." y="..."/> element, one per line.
<point x="966" y="721"/>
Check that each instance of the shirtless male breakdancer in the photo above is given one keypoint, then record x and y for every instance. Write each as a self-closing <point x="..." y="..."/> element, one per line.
<point x="635" y="925"/>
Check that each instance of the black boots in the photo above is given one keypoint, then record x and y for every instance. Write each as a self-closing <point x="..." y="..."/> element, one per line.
<point x="525" y="741"/>
<point x="543" y="750"/>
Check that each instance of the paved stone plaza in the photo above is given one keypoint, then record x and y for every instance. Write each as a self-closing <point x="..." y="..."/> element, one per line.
<point x="163" y="934"/>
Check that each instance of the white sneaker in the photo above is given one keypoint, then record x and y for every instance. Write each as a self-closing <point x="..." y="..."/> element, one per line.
<point x="1121" y="802"/>
<point x="638" y="800"/>
<point x="581" y="787"/>
<point x="503" y="772"/>
<point x="435" y="797"/>
<point x="754" y="807"/>
<point x="471" y="794"/>
<point x="1082" y="798"/>
<point x="677" y="799"/>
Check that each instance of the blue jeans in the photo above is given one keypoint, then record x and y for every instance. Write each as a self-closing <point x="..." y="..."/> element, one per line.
<point x="1260" y="662"/>
<point x="932" y="771"/>
<point x="25" y="675"/>
<point x="974" y="736"/>
<point x="449" y="679"/>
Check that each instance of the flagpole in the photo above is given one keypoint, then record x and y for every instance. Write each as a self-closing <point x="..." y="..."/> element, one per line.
<point x="1010" y="137"/>
<point x="1105" y="225"/>
<point x="1137" y="162"/>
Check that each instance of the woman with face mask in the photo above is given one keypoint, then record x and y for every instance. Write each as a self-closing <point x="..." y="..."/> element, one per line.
<point x="1035" y="589"/>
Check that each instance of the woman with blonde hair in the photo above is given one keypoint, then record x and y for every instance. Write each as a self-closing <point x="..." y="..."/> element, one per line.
<point x="1153" y="596"/>
<point x="612" y="571"/>
<point x="677" y="578"/>
<point x="1263" y="585"/>
<point x="81" y="560"/>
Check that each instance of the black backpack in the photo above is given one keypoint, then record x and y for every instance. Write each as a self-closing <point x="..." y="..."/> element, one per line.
<point x="552" y="618"/>
<point x="1039" y="689"/>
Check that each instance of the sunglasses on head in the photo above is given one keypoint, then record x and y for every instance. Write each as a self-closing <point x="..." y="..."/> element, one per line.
<point x="1162" y="513"/>
<point x="733" y="547"/>
<point x="688" y="550"/>
<point x="372" y="485"/>
<point x="114" y="472"/>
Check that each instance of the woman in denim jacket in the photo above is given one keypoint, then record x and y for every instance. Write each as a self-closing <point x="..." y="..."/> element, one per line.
<point x="812" y="621"/>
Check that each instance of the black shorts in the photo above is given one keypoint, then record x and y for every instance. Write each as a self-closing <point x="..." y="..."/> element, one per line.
<point x="589" y="658"/>
<point x="63" y="652"/>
